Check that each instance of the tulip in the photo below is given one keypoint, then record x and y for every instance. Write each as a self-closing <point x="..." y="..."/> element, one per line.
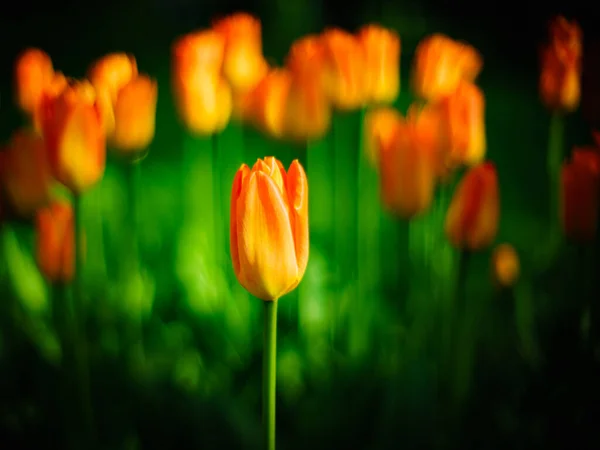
<point x="33" y="72"/>
<point x="308" y="112"/>
<point x="135" y="115"/>
<point x="579" y="192"/>
<point x="440" y="64"/>
<point x="473" y="214"/>
<point x="589" y="157"/>
<point x="55" y="242"/>
<point x="74" y="135"/>
<point x="269" y="102"/>
<point x="380" y="126"/>
<point x="505" y="266"/>
<point x="560" y="84"/>
<point x="53" y="89"/>
<point x="269" y="227"/>
<point x="381" y="48"/>
<point x="244" y="64"/>
<point x="345" y="78"/>
<point x="203" y="99"/>
<point x="26" y="174"/>
<point x="464" y="124"/>
<point x="407" y="173"/>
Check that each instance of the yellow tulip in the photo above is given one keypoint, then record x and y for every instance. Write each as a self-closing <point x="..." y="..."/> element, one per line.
<point x="269" y="234"/>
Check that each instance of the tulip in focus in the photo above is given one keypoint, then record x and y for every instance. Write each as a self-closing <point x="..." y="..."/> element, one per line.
<point x="345" y="69"/>
<point x="55" y="242"/>
<point x="244" y="64"/>
<point x="75" y="139"/>
<point x="382" y="63"/>
<point x="505" y="266"/>
<point x="308" y="110"/>
<point x="202" y="97"/>
<point x="474" y="211"/>
<point x="579" y="196"/>
<point x="464" y="119"/>
<point x="407" y="173"/>
<point x="560" y="77"/>
<point x="33" y="72"/>
<point x="269" y="234"/>
<point x="440" y="64"/>
<point x="269" y="102"/>
<point x="380" y="126"/>
<point x="26" y="175"/>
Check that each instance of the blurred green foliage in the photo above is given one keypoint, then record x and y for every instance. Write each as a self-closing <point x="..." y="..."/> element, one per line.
<point x="365" y="357"/>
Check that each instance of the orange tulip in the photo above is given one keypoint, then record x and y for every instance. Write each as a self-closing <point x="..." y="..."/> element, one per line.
<point x="406" y="173"/>
<point x="308" y="112"/>
<point x="55" y="242"/>
<point x="464" y="124"/>
<point x="473" y="214"/>
<point x="589" y="157"/>
<point x="269" y="101"/>
<point x="440" y="64"/>
<point x="579" y="194"/>
<point x="560" y="77"/>
<point x="57" y="85"/>
<point x="26" y="175"/>
<point x="203" y="99"/>
<point x="382" y="63"/>
<point x="244" y="64"/>
<point x="33" y="72"/>
<point x="135" y="115"/>
<point x="345" y="65"/>
<point x="380" y="126"/>
<point x="73" y="131"/>
<point x="505" y="266"/>
<point x="269" y="227"/>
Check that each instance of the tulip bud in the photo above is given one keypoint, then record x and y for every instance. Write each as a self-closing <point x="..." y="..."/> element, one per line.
<point x="74" y="135"/>
<point x="269" y="234"/>
<point x="473" y="214"/>
<point x="33" y="72"/>
<point x="505" y="266"/>
<point x="380" y="126"/>
<point x="26" y="173"/>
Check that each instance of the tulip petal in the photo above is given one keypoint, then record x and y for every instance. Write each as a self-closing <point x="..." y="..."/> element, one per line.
<point x="238" y="183"/>
<point x="297" y="190"/>
<point x="266" y="244"/>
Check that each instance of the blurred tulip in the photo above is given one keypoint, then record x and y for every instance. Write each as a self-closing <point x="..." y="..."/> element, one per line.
<point x="269" y="102"/>
<point x="57" y="85"/>
<point x="308" y="111"/>
<point x="589" y="157"/>
<point x="26" y="175"/>
<point x="579" y="192"/>
<point x="203" y="99"/>
<point x="135" y="115"/>
<point x="55" y="242"/>
<point x="439" y="65"/>
<point x="429" y="123"/>
<point x="244" y="64"/>
<point x="33" y="72"/>
<point x="560" y="77"/>
<point x="505" y="266"/>
<point x="407" y="173"/>
<point x="269" y="233"/>
<point x="382" y="63"/>
<point x="464" y="119"/>
<point x="345" y="69"/>
<point x="74" y="135"/>
<point x="473" y="215"/>
<point x="380" y="126"/>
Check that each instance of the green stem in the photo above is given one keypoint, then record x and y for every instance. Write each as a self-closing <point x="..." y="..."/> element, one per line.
<point x="269" y="373"/>
<point x="218" y="200"/>
<point x="80" y="342"/>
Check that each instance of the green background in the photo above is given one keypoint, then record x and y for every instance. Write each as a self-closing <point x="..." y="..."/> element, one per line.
<point x="364" y="359"/>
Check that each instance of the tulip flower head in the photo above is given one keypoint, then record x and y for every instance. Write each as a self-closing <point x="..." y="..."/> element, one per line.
<point x="505" y="266"/>
<point x="380" y="125"/>
<point x="33" y="72"/>
<point x="269" y="234"/>
<point x="474" y="211"/>
<point x="26" y="175"/>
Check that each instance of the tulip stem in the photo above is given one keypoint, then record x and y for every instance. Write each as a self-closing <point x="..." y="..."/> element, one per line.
<point x="269" y="373"/>
<point x="217" y="199"/>
<point x="80" y="342"/>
